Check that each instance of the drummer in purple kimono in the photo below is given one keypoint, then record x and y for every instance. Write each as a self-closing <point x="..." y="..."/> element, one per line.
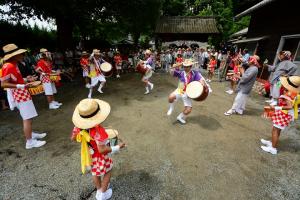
<point x="146" y="78"/>
<point x="184" y="76"/>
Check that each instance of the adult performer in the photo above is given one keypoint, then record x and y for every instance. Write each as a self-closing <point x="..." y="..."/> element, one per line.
<point x="18" y="94"/>
<point x="95" y="72"/>
<point x="44" y="68"/>
<point x="185" y="76"/>
<point x="118" y="63"/>
<point x="244" y="87"/>
<point x="84" y="63"/>
<point x="146" y="78"/>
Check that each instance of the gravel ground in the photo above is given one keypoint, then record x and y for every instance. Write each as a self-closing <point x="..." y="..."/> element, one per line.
<point x="211" y="157"/>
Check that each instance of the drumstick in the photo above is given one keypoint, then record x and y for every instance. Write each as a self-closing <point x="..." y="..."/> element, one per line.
<point x="176" y="65"/>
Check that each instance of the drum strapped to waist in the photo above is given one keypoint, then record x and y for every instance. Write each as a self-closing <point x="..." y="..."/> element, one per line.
<point x="106" y="69"/>
<point x="196" y="91"/>
<point x="113" y="136"/>
<point x="55" y="77"/>
<point x="36" y="89"/>
<point x="141" y="68"/>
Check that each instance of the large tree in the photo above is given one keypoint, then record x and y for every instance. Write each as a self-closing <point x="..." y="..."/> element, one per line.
<point x="91" y="18"/>
<point x="138" y="16"/>
<point x="67" y="13"/>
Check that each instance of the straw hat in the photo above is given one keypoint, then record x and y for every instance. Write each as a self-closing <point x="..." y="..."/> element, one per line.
<point x="84" y="53"/>
<point x="188" y="62"/>
<point x="11" y="50"/>
<point x="43" y="50"/>
<point x="96" y="52"/>
<point x="147" y="51"/>
<point x="90" y="112"/>
<point x="291" y="83"/>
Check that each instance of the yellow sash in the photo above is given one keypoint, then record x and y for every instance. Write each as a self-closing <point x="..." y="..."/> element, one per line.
<point x="296" y="103"/>
<point x="180" y="88"/>
<point x="92" y="74"/>
<point x="86" y="161"/>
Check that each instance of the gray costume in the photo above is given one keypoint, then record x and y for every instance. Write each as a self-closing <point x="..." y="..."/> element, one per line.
<point x="285" y="67"/>
<point x="244" y="88"/>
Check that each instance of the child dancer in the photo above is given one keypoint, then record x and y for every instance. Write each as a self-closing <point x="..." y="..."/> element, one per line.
<point x="234" y="77"/>
<point x="284" y="112"/>
<point x="95" y="147"/>
<point x="44" y="68"/>
<point x="118" y="63"/>
<point x="84" y="63"/>
<point x="211" y="68"/>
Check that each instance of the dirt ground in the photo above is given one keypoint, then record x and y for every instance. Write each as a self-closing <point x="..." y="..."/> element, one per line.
<point x="211" y="157"/>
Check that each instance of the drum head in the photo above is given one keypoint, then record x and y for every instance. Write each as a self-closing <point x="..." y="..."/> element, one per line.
<point x="105" y="67"/>
<point x="112" y="133"/>
<point x="194" y="89"/>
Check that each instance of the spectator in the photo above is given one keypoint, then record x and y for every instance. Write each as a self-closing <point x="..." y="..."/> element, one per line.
<point x="285" y="67"/>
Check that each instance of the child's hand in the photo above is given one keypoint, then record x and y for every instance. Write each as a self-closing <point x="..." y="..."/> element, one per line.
<point x="122" y="145"/>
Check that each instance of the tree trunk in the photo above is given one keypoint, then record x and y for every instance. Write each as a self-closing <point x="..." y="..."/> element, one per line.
<point x="136" y="37"/>
<point x="64" y="33"/>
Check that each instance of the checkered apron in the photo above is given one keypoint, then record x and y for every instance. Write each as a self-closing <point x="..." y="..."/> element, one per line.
<point x="281" y="119"/>
<point x="45" y="78"/>
<point x="101" y="164"/>
<point x="21" y="95"/>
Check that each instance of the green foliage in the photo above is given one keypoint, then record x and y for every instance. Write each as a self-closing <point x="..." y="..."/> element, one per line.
<point x="114" y="19"/>
<point x="240" y="24"/>
<point x="138" y="17"/>
<point x="25" y="36"/>
<point x="105" y="20"/>
<point x="173" y="8"/>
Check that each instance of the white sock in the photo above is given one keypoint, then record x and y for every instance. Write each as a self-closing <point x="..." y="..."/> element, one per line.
<point x="90" y="92"/>
<point x="29" y="141"/>
<point x="147" y="89"/>
<point x="171" y="105"/>
<point x="181" y="115"/>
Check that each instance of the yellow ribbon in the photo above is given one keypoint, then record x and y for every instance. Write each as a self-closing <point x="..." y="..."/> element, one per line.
<point x="92" y="74"/>
<point x="86" y="161"/>
<point x="296" y="104"/>
<point x="180" y="88"/>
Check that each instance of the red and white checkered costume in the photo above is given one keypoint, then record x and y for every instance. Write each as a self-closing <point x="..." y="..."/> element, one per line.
<point x="101" y="163"/>
<point x="281" y="119"/>
<point x="10" y="71"/>
<point x="84" y="62"/>
<point x="18" y="97"/>
<point x="45" y="67"/>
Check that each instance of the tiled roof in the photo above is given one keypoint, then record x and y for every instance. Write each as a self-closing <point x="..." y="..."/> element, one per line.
<point x="181" y="24"/>
<point x="240" y="33"/>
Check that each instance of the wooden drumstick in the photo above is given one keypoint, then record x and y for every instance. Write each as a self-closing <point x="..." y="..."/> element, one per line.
<point x="175" y="65"/>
